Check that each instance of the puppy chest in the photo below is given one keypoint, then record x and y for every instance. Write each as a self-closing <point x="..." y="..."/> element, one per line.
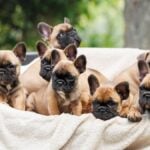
<point x="65" y="107"/>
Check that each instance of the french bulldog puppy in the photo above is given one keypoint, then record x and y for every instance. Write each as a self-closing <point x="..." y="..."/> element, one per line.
<point x="37" y="101"/>
<point x="106" y="98"/>
<point x="63" y="91"/>
<point x="39" y="72"/>
<point x="11" y="91"/>
<point x="60" y="35"/>
<point x="46" y="71"/>
<point x="144" y="89"/>
<point x="133" y="75"/>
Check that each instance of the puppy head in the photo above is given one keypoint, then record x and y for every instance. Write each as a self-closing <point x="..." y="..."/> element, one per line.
<point x="10" y="62"/>
<point x="144" y="90"/>
<point x="106" y="99"/>
<point x="65" y="74"/>
<point x="50" y="57"/>
<point x="60" y="35"/>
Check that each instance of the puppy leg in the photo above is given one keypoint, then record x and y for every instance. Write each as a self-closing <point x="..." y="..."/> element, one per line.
<point x="3" y="99"/>
<point x="86" y="102"/>
<point x="76" y="108"/>
<point x="125" y="106"/>
<point x="134" y="114"/>
<point x="30" y="102"/>
<point x="52" y="104"/>
<point x="18" y="100"/>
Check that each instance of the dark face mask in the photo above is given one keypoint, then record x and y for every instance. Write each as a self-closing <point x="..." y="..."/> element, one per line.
<point x="144" y="96"/>
<point x="104" y="111"/>
<point x="69" y="37"/>
<point x="63" y="82"/>
<point x="8" y="74"/>
<point x="46" y="69"/>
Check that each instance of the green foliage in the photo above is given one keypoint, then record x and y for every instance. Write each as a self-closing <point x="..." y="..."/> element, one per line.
<point x="99" y="22"/>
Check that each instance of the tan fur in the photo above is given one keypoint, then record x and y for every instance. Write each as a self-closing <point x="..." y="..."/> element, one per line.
<point x="146" y="81"/>
<point x="31" y="79"/>
<point x="130" y="107"/>
<point x="85" y="94"/>
<point x="52" y="41"/>
<point x="15" y="96"/>
<point x="47" y="101"/>
<point x="105" y="92"/>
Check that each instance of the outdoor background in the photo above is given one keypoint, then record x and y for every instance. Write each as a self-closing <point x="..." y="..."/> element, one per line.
<point x="100" y="23"/>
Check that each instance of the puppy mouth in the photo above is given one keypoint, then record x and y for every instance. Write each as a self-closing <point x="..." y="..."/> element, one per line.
<point x="104" y="116"/>
<point x="104" y="113"/>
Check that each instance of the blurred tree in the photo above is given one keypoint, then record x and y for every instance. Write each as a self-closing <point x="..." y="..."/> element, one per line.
<point x="106" y="26"/>
<point x="19" y="18"/>
<point x="137" y="23"/>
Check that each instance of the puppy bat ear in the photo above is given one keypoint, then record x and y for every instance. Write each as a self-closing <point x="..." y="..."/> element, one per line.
<point x="55" y="57"/>
<point x="20" y="51"/>
<point x="93" y="84"/>
<point x="66" y="20"/>
<point x="71" y="52"/>
<point x="143" y="69"/>
<point x="44" y="29"/>
<point x="80" y="63"/>
<point x="143" y="56"/>
<point x="123" y="90"/>
<point x="41" y="48"/>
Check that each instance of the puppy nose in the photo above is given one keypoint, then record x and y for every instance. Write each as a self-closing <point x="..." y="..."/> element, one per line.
<point x="102" y="109"/>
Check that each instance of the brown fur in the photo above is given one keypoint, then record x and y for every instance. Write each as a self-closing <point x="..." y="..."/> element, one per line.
<point x="14" y="95"/>
<point x="47" y="101"/>
<point x="130" y="107"/>
<point x="38" y="102"/>
<point x="106" y="92"/>
<point x="31" y="75"/>
<point x="86" y="96"/>
<point x="52" y="41"/>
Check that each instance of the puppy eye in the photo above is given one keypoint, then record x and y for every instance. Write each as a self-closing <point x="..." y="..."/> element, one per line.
<point x="44" y="61"/>
<point x="149" y="64"/>
<point x="111" y="103"/>
<point x="10" y="66"/>
<point x="96" y="102"/>
<point x="61" y="34"/>
<point x="142" y="87"/>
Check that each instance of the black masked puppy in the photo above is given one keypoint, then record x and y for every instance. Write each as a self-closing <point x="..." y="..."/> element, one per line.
<point x="60" y="35"/>
<point x="37" y="101"/>
<point x="63" y="92"/>
<point x="107" y="98"/>
<point x="38" y="73"/>
<point x="65" y="88"/>
<point x="144" y="90"/>
<point x="47" y="64"/>
<point x="11" y="91"/>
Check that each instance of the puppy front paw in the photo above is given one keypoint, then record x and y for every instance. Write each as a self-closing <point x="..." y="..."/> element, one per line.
<point x="134" y="115"/>
<point x="124" y="112"/>
<point x="124" y="109"/>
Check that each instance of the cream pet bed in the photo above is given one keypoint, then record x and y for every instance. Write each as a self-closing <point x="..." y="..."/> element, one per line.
<point x="20" y="130"/>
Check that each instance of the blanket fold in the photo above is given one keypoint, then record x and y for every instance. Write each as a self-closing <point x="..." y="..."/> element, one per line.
<point x="20" y="130"/>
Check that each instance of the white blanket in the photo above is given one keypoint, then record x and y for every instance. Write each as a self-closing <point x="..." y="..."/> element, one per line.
<point x="22" y="130"/>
